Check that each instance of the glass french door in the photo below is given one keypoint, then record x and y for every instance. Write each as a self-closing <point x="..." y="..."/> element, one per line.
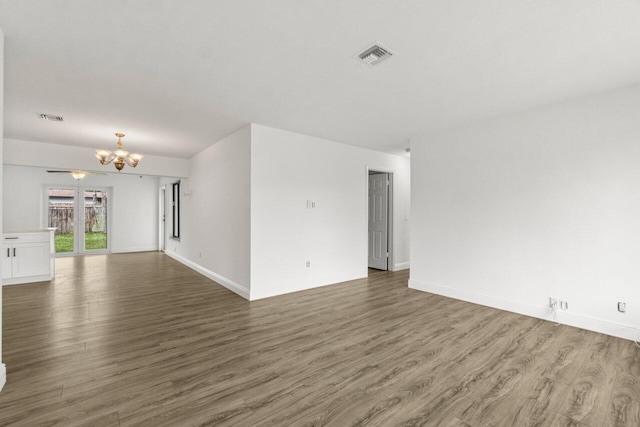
<point x="80" y="216"/>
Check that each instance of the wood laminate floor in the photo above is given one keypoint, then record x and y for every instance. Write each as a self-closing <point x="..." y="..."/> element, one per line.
<point x="138" y="339"/>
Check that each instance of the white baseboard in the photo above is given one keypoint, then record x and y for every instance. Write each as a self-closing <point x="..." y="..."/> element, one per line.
<point x="400" y="266"/>
<point x="221" y="280"/>
<point x="30" y="279"/>
<point x="134" y="249"/>
<point x="541" y="312"/>
<point x="261" y="292"/>
<point x="3" y="375"/>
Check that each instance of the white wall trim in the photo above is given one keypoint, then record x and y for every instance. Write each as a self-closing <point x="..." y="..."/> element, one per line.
<point x="221" y="280"/>
<point x="134" y="249"/>
<point x="400" y="266"/>
<point x="30" y="279"/>
<point x="297" y="286"/>
<point x="3" y="375"/>
<point x="540" y="312"/>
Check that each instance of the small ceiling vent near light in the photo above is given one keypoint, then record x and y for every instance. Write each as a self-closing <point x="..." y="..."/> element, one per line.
<point x="374" y="54"/>
<point x="51" y="117"/>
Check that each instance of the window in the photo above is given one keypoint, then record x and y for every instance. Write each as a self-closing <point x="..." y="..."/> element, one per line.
<point x="175" y="206"/>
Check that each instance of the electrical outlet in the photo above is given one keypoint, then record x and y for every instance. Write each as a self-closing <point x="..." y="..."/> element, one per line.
<point x="308" y="263"/>
<point x="564" y="305"/>
<point x="622" y="307"/>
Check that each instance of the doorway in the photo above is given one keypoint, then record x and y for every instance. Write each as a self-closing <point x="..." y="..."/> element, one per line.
<point x="81" y="216"/>
<point x="379" y="219"/>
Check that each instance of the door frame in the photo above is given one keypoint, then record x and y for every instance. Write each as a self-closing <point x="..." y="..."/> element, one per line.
<point x="390" y="234"/>
<point x="162" y="218"/>
<point x="79" y="220"/>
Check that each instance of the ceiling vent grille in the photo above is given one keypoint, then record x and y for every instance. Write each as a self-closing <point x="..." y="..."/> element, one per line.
<point x="51" y="117"/>
<point x="375" y="54"/>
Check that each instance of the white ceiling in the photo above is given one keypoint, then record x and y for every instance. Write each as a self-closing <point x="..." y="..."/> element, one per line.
<point x="177" y="76"/>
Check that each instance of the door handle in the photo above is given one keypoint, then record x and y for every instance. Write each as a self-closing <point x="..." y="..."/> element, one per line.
<point x="8" y="253"/>
<point x="14" y="251"/>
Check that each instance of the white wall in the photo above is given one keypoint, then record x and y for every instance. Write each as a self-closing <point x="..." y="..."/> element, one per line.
<point x="542" y="204"/>
<point x="29" y="153"/>
<point x="3" y="371"/>
<point x="246" y="225"/>
<point x="134" y="202"/>
<point x="287" y="169"/>
<point x="215" y="213"/>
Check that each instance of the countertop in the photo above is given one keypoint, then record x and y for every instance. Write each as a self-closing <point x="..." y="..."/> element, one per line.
<point x="28" y="230"/>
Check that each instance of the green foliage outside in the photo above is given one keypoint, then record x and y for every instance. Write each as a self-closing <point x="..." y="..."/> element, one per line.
<point x="64" y="242"/>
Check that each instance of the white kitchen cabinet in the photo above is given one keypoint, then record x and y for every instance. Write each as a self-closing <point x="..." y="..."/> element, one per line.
<point x="28" y="256"/>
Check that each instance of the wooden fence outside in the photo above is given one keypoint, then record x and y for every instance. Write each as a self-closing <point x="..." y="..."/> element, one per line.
<point x="61" y="217"/>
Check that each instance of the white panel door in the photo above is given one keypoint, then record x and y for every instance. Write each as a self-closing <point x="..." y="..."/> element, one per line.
<point x="378" y="220"/>
<point x="31" y="259"/>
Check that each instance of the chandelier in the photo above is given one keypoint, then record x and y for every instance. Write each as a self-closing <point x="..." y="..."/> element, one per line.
<point x="119" y="157"/>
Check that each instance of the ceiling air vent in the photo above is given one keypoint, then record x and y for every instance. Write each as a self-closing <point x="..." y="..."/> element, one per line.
<point x="51" y="117"/>
<point x="374" y="54"/>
